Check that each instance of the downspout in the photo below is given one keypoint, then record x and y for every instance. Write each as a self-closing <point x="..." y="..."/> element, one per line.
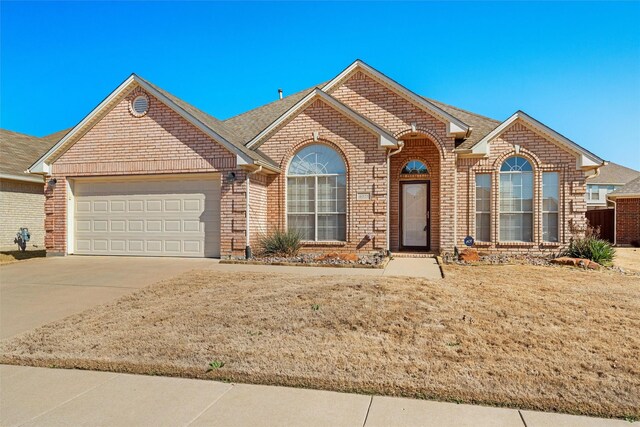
<point x="615" y="221"/>
<point x="247" y="249"/>
<point x="391" y="153"/>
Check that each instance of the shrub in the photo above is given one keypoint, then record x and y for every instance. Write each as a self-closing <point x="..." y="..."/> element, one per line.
<point x="591" y="247"/>
<point x="281" y="243"/>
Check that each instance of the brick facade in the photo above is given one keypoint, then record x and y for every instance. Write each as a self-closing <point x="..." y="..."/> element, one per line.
<point x="21" y="205"/>
<point x="627" y="220"/>
<point x="544" y="156"/>
<point x="162" y="142"/>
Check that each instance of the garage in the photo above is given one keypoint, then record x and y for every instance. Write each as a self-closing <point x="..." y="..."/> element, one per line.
<point x="149" y="216"/>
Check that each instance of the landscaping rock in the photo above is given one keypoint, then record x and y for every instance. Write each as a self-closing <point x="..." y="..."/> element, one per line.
<point x="349" y="257"/>
<point x="469" y="255"/>
<point x="577" y="262"/>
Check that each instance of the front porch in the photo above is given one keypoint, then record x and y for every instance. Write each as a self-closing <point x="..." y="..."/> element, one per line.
<point x="415" y="197"/>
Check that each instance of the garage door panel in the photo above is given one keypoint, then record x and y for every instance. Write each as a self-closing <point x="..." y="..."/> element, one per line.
<point x="148" y="217"/>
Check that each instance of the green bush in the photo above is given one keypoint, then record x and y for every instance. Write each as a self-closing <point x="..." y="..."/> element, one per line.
<point x="591" y="247"/>
<point x="281" y="243"/>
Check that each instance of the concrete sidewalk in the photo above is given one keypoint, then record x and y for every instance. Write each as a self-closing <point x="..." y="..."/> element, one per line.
<point x="57" y="397"/>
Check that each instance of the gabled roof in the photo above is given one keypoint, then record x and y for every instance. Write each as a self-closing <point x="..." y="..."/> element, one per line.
<point x="455" y="126"/>
<point x="208" y="124"/>
<point x="613" y="173"/>
<point x="249" y="124"/>
<point x="481" y="125"/>
<point x="385" y="138"/>
<point x="18" y="151"/>
<point x="630" y="189"/>
<point x="586" y="159"/>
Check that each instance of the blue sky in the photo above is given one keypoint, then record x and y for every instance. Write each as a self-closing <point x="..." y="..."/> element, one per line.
<point x="573" y="66"/>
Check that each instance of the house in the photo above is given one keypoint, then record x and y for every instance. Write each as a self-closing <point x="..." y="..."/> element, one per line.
<point x="626" y="202"/>
<point x="359" y="163"/>
<point x="21" y="194"/>
<point x="611" y="177"/>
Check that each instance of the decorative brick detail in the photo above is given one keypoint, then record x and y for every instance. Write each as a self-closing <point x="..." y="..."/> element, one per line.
<point x="160" y="142"/>
<point x="361" y="152"/>
<point x="544" y="157"/>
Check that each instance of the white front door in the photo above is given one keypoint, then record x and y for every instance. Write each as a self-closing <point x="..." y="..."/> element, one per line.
<point x="414" y="214"/>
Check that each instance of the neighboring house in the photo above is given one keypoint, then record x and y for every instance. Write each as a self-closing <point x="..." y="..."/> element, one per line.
<point x="360" y="163"/>
<point x="612" y="176"/>
<point x="21" y="194"/>
<point x="627" y="213"/>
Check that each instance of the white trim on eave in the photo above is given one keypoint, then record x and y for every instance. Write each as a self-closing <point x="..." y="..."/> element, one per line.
<point x="585" y="159"/>
<point x="42" y="167"/>
<point x="455" y="126"/>
<point x="385" y="138"/>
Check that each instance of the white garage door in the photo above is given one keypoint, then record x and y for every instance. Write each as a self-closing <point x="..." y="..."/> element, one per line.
<point x="148" y="217"/>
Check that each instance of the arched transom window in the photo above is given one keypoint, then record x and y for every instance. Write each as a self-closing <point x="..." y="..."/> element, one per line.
<point x="414" y="167"/>
<point x="317" y="194"/>
<point x="516" y="200"/>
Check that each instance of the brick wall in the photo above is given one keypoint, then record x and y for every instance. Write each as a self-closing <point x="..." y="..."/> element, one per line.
<point x="627" y="220"/>
<point x="426" y="151"/>
<point x="21" y="205"/>
<point x="366" y="173"/>
<point x="258" y="208"/>
<point x="544" y="156"/>
<point x="159" y="142"/>
<point x="396" y="114"/>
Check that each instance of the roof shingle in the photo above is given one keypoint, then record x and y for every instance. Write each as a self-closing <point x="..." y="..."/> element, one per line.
<point x="19" y="151"/>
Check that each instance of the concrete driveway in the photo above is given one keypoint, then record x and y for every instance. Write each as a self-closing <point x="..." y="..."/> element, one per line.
<point x="39" y="291"/>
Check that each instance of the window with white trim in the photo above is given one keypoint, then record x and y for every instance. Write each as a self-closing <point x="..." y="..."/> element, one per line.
<point x="483" y="207"/>
<point x="414" y="167"/>
<point x="516" y="200"/>
<point x="550" y="206"/>
<point x="317" y="194"/>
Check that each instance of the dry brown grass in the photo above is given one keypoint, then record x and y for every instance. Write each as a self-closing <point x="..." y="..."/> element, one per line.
<point x="628" y="259"/>
<point x="7" y="257"/>
<point x="532" y="337"/>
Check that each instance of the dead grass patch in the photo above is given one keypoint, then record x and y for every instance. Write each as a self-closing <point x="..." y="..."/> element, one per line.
<point x="7" y="257"/>
<point x="554" y="339"/>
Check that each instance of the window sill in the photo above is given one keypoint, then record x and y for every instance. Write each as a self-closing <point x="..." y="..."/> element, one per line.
<point x="481" y="244"/>
<point x="323" y="243"/>
<point x="550" y="244"/>
<point x="516" y="244"/>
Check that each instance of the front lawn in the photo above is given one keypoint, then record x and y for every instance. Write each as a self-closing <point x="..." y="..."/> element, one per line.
<point x="547" y="338"/>
<point x="7" y="257"/>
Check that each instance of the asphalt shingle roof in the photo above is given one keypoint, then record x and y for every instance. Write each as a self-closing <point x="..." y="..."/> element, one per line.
<point x="630" y="188"/>
<point x="249" y="124"/>
<point x="214" y="124"/>
<point x="19" y="151"/>
<point x="614" y="173"/>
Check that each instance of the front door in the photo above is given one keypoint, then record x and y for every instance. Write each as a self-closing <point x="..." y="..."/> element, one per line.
<point x="414" y="208"/>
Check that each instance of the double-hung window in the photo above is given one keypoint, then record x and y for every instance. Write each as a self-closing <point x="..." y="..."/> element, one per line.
<point x="516" y="200"/>
<point x="317" y="194"/>
<point x="483" y="207"/>
<point x="550" y="191"/>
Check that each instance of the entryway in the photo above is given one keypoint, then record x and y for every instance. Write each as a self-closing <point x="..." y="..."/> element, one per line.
<point x="415" y="215"/>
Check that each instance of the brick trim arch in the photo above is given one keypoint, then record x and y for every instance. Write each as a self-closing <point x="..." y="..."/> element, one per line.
<point x="524" y="153"/>
<point x="286" y="161"/>
<point x="398" y="173"/>
<point x="427" y="133"/>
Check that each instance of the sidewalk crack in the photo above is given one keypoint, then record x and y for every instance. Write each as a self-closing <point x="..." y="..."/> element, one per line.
<point x="366" y="417"/>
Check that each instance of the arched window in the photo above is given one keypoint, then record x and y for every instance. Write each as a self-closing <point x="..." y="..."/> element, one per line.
<point x="317" y="194"/>
<point x="516" y="200"/>
<point x="414" y="167"/>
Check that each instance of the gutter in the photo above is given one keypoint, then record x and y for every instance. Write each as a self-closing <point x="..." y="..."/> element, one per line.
<point x="247" y="249"/>
<point x="391" y="153"/>
<point x="39" y="179"/>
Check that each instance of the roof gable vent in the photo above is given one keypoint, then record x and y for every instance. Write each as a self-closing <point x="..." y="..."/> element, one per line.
<point x="140" y="105"/>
